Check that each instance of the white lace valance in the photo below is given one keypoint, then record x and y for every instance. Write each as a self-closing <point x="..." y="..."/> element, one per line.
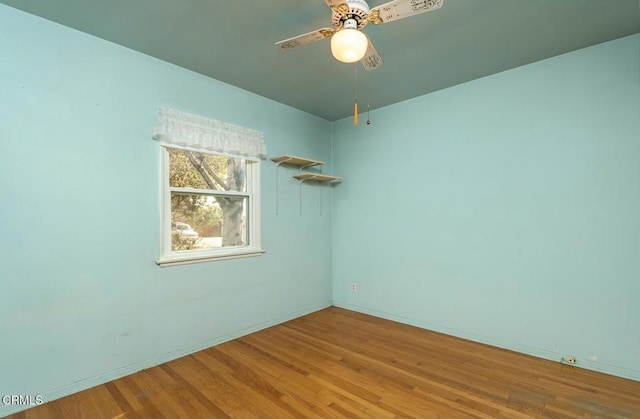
<point x="195" y="132"/>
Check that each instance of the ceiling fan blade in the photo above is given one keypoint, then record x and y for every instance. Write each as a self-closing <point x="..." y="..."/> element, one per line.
<point x="305" y="39"/>
<point x="339" y="7"/>
<point x="372" y="58"/>
<point x="334" y="3"/>
<point x="399" y="9"/>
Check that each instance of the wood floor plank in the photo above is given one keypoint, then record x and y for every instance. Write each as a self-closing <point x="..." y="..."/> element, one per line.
<point x="284" y="380"/>
<point x="398" y="373"/>
<point x="337" y="363"/>
<point x="221" y="398"/>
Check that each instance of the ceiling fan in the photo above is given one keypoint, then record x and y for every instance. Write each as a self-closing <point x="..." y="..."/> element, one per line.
<point x="348" y="43"/>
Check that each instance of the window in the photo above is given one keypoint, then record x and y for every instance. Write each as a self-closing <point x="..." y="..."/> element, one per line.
<point x="210" y="199"/>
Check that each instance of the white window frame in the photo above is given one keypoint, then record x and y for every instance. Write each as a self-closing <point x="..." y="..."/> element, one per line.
<point x="177" y="129"/>
<point x="253" y="248"/>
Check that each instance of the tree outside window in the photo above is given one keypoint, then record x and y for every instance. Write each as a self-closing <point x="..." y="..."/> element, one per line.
<point x="210" y="201"/>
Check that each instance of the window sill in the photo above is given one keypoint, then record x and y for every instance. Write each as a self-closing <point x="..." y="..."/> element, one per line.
<point x="200" y="258"/>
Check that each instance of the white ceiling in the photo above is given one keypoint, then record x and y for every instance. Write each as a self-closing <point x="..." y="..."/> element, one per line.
<point x="233" y="41"/>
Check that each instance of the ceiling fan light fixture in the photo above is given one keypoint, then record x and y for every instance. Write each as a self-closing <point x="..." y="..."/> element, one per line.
<point x="349" y="45"/>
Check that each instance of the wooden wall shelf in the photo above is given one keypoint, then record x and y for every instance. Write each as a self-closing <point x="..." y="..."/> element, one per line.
<point x="318" y="177"/>
<point x="297" y="161"/>
<point x="303" y="163"/>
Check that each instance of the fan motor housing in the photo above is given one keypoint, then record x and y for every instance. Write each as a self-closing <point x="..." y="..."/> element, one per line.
<point x="355" y="9"/>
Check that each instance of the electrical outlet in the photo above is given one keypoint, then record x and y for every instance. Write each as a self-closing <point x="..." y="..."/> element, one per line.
<point x="569" y="359"/>
<point x="354" y="287"/>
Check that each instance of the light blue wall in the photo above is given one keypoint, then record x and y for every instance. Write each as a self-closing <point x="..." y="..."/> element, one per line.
<point x="505" y="210"/>
<point x="81" y="298"/>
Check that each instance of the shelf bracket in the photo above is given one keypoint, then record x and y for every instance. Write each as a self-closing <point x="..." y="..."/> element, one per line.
<point x="303" y="163"/>
<point x="309" y="165"/>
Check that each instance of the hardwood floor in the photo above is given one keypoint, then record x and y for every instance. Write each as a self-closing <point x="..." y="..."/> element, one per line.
<point x="340" y="364"/>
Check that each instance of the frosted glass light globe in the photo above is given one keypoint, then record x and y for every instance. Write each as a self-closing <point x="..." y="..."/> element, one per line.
<point x="349" y="45"/>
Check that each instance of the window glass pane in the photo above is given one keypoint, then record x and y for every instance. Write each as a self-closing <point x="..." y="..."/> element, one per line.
<point x="208" y="221"/>
<point x="189" y="169"/>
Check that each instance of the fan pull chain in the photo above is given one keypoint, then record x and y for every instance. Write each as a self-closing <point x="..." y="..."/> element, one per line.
<point x="355" y="94"/>
<point x="368" y="98"/>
